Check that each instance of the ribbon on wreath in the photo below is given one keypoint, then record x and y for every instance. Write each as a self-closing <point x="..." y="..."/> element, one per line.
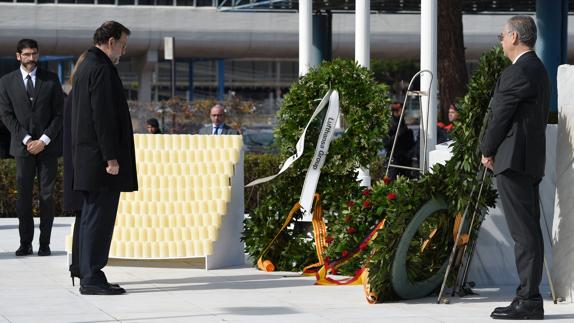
<point x="360" y="276"/>
<point x="300" y="146"/>
<point x="308" y="194"/>
<point x="319" y="231"/>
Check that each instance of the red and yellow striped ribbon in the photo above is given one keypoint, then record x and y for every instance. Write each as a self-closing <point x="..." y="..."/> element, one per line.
<point x="319" y="231"/>
<point x="360" y="276"/>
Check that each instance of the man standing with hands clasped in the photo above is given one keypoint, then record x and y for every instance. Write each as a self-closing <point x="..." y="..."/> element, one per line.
<point x="514" y="148"/>
<point x="103" y="155"/>
<point x="31" y="103"/>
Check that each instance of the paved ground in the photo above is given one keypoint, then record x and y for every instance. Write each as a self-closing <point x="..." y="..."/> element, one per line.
<point x="38" y="289"/>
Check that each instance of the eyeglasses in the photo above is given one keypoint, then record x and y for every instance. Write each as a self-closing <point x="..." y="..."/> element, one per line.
<point x="29" y="54"/>
<point x="502" y="34"/>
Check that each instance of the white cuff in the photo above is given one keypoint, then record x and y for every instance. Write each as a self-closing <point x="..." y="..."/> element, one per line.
<point x="26" y="139"/>
<point x="45" y="139"/>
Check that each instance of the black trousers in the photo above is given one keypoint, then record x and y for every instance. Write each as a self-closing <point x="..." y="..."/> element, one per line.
<point x="521" y="203"/>
<point x="95" y="237"/>
<point x="46" y="167"/>
<point x="75" y="265"/>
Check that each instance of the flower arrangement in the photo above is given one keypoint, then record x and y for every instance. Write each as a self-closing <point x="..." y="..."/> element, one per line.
<point x="363" y="105"/>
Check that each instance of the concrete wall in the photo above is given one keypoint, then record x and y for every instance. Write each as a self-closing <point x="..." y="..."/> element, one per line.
<point x="204" y="32"/>
<point x="563" y="260"/>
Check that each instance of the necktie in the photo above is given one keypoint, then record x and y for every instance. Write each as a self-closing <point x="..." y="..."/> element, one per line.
<point x="29" y="87"/>
<point x="216" y="130"/>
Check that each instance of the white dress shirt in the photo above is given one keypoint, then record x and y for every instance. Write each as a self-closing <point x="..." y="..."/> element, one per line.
<point x="32" y="74"/>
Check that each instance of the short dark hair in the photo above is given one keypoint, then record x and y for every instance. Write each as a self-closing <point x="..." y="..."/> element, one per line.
<point x="152" y="122"/>
<point x="26" y="43"/>
<point x="526" y="29"/>
<point x="108" y="30"/>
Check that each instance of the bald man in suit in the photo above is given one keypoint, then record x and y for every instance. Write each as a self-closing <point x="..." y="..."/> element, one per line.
<point x="218" y="126"/>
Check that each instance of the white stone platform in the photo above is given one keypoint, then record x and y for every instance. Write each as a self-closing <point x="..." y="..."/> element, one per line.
<point x="38" y="289"/>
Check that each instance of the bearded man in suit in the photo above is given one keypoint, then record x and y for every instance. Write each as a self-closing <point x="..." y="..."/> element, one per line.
<point x="31" y="105"/>
<point x="514" y="148"/>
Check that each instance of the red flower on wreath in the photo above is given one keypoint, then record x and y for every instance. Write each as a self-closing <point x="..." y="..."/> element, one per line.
<point x="366" y="204"/>
<point x="366" y="192"/>
<point x="344" y="253"/>
<point x="387" y="180"/>
<point x="391" y="196"/>
<point x="329" y="239"/>
<point x="350" y="203"/>
<point x="351" y="230"/>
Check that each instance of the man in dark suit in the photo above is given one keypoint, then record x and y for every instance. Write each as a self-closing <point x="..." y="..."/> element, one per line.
<point x="31" y="101"/>
<point x="103" y="155"/>
<point x="404" y="145"/>
<point x="514" y="148"/>
<point x="218" y="126"/>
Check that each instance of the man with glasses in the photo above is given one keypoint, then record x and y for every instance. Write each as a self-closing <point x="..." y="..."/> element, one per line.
<point x="31" y="105"/>
<point x="514" y="148"/>
<point x="218" y="126"/>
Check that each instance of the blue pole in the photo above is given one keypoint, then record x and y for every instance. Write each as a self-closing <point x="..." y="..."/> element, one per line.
<point x="190" y="80"/>
<point x="220" y="78"/>
<point x="60" y="72"/>
<point x="552" y="20"/>
<point x="322" y="38"/>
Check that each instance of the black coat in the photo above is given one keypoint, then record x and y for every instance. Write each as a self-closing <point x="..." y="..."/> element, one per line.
<point x="405" y="140"/>
<point x="516" y="133"/>
<point x="101" y="127"/>
<point x="73" y="200"/>
<point x="43" y="115"/>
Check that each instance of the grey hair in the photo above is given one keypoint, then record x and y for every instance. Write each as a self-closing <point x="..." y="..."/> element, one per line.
<point x="526" y="29"/>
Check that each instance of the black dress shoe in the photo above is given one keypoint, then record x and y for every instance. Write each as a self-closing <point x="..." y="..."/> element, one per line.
<point x="101" y="290"/>
<point x="115" y="286"/>
<point x="520" y="309"/>
<point x="44" y="250"/>
<point x="75" y="273"/>
<point x="24" y="250"/>
<point x="506" y="308"/>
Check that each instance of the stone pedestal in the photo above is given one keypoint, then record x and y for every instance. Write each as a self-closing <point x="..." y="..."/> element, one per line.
<point x="563" y="239"/>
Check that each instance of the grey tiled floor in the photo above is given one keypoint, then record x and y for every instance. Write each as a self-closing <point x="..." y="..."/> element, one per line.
<point x="38" y="289"/>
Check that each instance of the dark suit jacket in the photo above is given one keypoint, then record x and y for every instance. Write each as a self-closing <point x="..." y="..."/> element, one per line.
<point x="41" y="116"/>
<point x="101" y="127"/>
<point x="516" y="132"/>
<point x="227" y="130"/>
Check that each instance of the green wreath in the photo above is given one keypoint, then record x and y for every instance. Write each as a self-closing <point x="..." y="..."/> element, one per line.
<point x="363" y="105"/>
<point x="454" y="181"/>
